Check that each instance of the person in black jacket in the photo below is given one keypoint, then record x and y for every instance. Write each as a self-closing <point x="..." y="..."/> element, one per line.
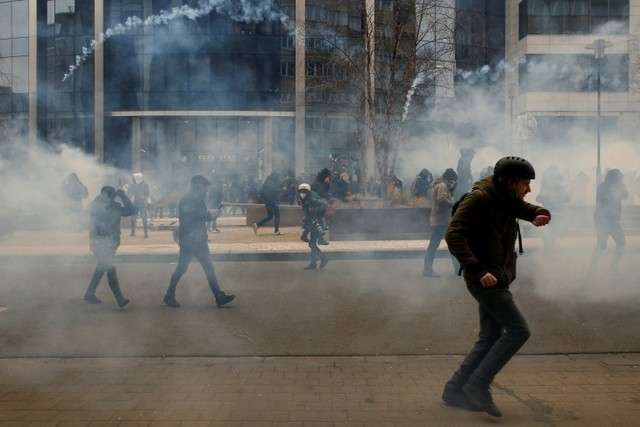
<point x="192" y="238"/>
<point x="322" y="184"/>
<point x="482" y="235"/>
<point x="104" y="239"/>
<point x="608" y="213"/>
<point x="313" y="208"/>
<point x="271" y="191"/>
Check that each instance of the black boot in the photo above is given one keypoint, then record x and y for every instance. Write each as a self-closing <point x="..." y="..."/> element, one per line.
<point x="311" y="266"/>
<point x="114" y="284"/>
<point x="170" y="301"/>
<point x="480" y="396"/>
<point x="222" y="298"/>
<point x="452" y="395"/>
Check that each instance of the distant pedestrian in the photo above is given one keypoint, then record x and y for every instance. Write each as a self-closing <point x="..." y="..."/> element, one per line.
<point x="104" y="238"/>
<point x="141" y="198"/>
<point x="422" y="185"/>
<point x="271" y="191"/>
<point x="192" y="238"/>
<point x="608" y="215"/>
<point x="465" y="179"/>
<point x="322" y="184"/>
<point x="313" y="208"/>
<point x="75" y="192"/>
<point x="442" y="201"/>
<point x="482" y="236"/>
<point x="216" y="195"/>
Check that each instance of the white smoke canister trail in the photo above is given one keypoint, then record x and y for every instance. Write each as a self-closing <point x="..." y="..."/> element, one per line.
<point x="418" y="80"/>
<point x="242" y="11"/>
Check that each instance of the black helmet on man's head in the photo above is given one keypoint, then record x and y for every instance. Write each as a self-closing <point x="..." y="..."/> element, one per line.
<point x="108" y="191"/>
<point x="514" y="167"/>
<point x="450" y="175"/>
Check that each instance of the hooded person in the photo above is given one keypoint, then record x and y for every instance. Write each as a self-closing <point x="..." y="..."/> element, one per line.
<point x="322" y="184"/>
<point x="482" y="235"/>
<point x="104" y="238"/>
<point x="193" y="241"/>
<point x="608" y="214"/>
<point x="313" y="209"/>
<point x="422" y="184"/>
<point x="141" y="198"/>
<point x="75" y="192"/>
<point x="441" y="203"/>
<point x="270" y="194"/>
<point x="465" y="179"/>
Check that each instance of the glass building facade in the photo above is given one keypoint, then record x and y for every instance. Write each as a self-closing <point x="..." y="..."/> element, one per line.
<point x="14" y="104"/>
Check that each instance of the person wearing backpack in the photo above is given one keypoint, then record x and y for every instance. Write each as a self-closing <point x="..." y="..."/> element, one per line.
<point x="104" y="239"/>
<point x="482" y="235"/>
<point x="442" y="201"/>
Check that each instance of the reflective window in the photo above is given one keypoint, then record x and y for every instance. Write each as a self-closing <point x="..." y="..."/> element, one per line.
<point x="573" y="17"/>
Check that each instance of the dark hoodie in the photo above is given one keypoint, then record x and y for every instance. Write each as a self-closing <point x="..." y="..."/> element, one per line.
<point x="482" y="233"/>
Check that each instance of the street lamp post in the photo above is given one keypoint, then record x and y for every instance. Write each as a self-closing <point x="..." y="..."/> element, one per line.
<point x="598" y="47"/>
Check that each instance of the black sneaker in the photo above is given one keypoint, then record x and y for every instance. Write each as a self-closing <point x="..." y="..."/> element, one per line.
<point x="481" y="397"/>
<point x="123" y="302"/>
<point x="305" y="238"/>
<point x="222" y="299"/>
<point x="311" y="267"/>
<point x="454" y="396"/>
<point x="170" y="302"/>
<point x="92" y="299"/>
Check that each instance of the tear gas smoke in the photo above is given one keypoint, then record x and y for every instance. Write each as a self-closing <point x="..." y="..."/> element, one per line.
<point x="248" y="11"/>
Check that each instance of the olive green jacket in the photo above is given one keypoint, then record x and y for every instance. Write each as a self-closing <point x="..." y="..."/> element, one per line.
<point x="483" y="231"/>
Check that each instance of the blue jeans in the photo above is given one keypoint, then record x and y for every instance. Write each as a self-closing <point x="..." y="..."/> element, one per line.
<point x="437" y="234"/>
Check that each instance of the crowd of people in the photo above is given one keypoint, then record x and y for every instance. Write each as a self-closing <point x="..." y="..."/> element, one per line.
<point x="479" y="221"/>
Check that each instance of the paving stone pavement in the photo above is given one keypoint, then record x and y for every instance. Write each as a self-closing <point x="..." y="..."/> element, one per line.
<point x="561" y="390"/>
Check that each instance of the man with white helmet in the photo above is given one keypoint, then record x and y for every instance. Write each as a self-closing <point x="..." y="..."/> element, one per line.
<point x="141" y="199"/>
<point x="313" y="207"/>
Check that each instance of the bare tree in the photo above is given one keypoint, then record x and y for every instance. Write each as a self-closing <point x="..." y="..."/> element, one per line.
<point x="404" y="50"/>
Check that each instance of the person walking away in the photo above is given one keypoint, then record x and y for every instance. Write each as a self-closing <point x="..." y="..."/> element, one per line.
<point x="192" y="239"/>
<point x="554" y="195"/>
<point x="215" y="201"/>
<point x="104" y="239"/>
<point x="313" y="208"/>
<point x="465" y="178"/>
<point x="608" y="214"/>
<point x="271" y="190"/>
<point x="482" y="235"/>
<point x="141" y="199"/>
<point x="441" y="203"/>
<point x="75" y="192"/>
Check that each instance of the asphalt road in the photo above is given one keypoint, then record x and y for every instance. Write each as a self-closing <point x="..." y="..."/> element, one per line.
<point x="350" y="308"/>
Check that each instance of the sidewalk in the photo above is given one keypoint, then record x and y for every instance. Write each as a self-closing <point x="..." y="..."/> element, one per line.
<point x="567" y="390"/>
<point x="236" y="242"/>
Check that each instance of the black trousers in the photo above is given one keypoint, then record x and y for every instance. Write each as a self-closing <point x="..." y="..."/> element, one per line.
<point x="503" y="330"/>
<point x="273" y="212"/>
<point x="187" y="253"/>
<point x="105" y="264"/>
<point x="141" y="210"/>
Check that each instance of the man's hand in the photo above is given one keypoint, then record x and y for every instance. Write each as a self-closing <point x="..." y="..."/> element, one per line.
<point x="541" y="220"/>
<point x="488" y="280"/>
